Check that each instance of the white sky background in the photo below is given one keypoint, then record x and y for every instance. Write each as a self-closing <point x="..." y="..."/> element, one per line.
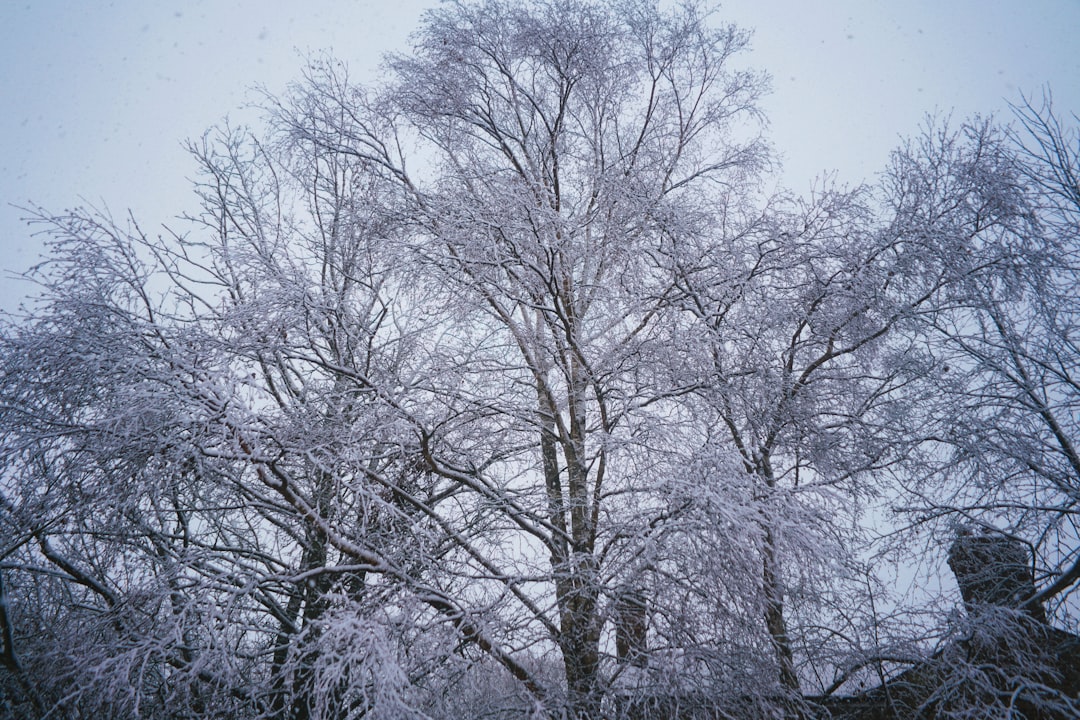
<point x="96" y="98"/>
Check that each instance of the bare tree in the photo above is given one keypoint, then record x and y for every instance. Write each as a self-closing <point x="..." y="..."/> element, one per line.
<point x="1005" y="352"/>
<point x="189" y="471"/>
<point x="502" y="388"/>
<point x="569" y="140"/>
<point x="555" y="244"/>
<point x="992" y="439"/>
<point x="351" y="388"/>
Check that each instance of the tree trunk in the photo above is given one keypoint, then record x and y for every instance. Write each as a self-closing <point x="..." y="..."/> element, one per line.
<point x="580" y="636"/>
<point x="774" y="614"/>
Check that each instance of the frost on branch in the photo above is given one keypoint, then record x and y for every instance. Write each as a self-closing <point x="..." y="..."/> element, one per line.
<point x="505" y="388"/>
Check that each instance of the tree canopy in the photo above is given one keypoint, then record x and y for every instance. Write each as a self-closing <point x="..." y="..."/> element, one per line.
<point x="508" y="388"/>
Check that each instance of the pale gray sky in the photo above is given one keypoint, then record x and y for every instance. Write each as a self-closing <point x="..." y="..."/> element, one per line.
<point x="97" y="97"/>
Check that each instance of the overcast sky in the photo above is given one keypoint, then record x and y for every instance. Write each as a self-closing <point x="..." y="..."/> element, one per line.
<point x="96" y="98"/>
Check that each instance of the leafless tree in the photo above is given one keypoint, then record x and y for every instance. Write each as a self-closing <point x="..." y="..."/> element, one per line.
<point x="1004" y="346"/>
<point x="503" y="388"/>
